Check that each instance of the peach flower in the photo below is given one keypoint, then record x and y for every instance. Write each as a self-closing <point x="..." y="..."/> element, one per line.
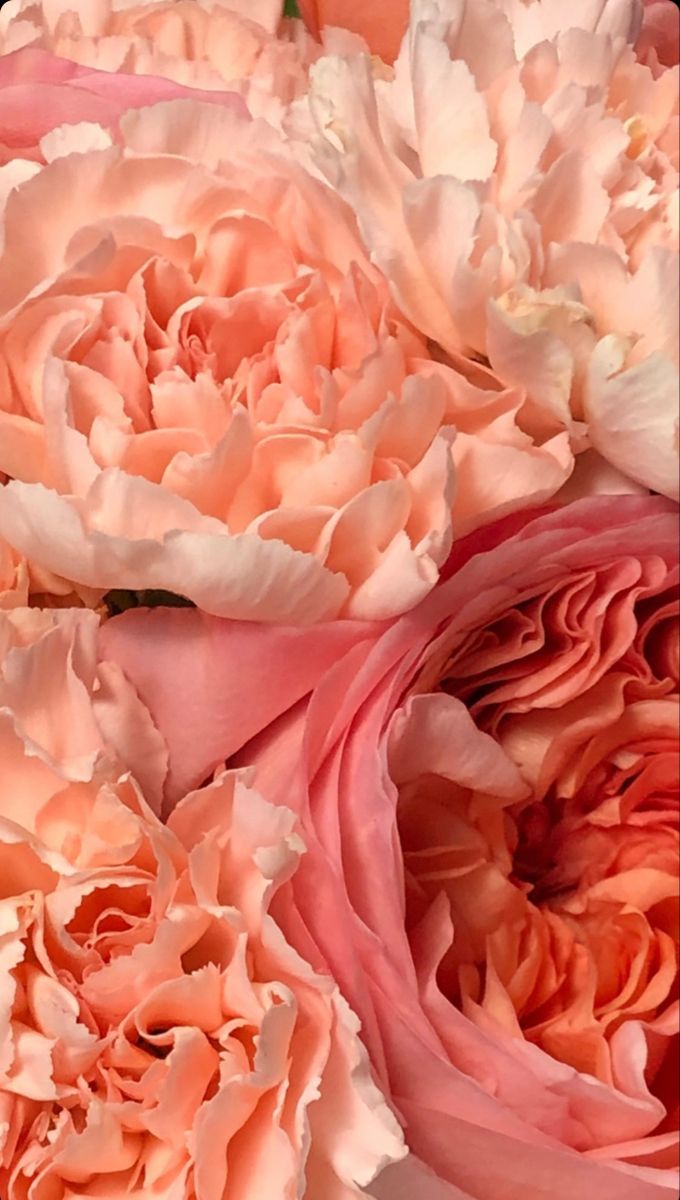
<point x="488" y="793"/>
<point x="159" y="1037"/>
<point x="381" y="26"/>
<point x="242" y="45"/>
<point x="516" y="177"/>
<point x="221" y="400"/>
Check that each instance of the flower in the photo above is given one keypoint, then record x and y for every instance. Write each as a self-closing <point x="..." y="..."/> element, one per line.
<point x="383" y="29"/>
<point x="488" y="793"/>
<point x="222" y="401"/>
<point x="208" y="44"/>
<point x="49" y="106"/>
<point x="516" y="177"/>
<point x="380" y="27"/>
<point x="159" y="1037"/>
<point x="219" y="401"/>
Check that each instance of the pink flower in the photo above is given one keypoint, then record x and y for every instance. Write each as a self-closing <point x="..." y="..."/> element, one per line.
<point x="488" y="793"/>
<point x="45" y="100"/>
<point x="516" y="177"/>
<point x="241" y="45"/>
<point x="207" y="389"/>
<point x="159" y="1037"/>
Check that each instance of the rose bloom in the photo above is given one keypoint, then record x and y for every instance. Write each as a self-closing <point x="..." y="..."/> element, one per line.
<point x="243" y="45"/>
<point x="159" y="1037"/>
<point x="516" y="176"/>
<point x="488" y="792"/>
<point x="207" y="389"/>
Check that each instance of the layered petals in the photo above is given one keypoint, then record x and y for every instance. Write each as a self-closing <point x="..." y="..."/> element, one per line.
<point x="503" y="760"/>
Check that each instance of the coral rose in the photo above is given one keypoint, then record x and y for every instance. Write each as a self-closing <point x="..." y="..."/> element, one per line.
<point x="516" y="176"/>
<point x="488" y="791"/>
<point x="207" y="389"/>
<point x="383" y="28"/>
<point x="158" y="1035"/>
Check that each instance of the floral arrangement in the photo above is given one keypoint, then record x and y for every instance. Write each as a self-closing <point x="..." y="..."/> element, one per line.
<point x="339" y="598"/>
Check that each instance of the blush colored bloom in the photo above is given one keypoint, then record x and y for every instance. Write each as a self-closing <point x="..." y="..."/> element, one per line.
<point x="159" y="1037"/>
<point x="383" y="28"/>
<point x="516" y="176"/>
<point x="206" y="381"/>
<point x="207" y="389"/>
<point x="488" y="792"/>
<point x="242" y="45"/>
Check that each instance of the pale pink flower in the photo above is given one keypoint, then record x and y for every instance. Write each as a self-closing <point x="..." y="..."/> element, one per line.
<point x="242" y="45"/>
<point x="207" y="389"/>
<point x="488" y="792"/>
<point x="516" y="177"/>
<point x="159" y="1037"/>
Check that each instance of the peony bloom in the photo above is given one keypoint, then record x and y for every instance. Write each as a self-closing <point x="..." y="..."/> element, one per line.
<point x="516" y="177"/>
<point x="488" y="792"/>
<point x="207" y="389"/>
<point x="241" y="45"/>
<point x="381" y="26"/>
<point x="159" y="1037"/>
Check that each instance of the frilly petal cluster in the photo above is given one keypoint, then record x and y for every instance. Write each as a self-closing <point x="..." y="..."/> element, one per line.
<point x="488" y="790"/>
<point x="515" y="174"/>
<point x="159" y="1037"/>
<point x="240" y="45"/>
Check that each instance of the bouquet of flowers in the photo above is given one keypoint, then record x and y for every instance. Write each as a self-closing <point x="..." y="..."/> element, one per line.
<point x="339" y="654"/>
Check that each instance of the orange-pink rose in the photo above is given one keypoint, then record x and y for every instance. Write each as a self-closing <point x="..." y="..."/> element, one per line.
<point x="516" y="176"/>
<point x="488" y="791"/>
<point x="159" y="1037"/>
<point x="382" y="27"/>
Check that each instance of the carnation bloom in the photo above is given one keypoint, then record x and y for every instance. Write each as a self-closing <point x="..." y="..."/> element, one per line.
<point x="210" y="44"/>
<point x="516" y="177"/>
<point x="488" y="790"/>
<point x="158" y="1035"/>
<point x="206" y="387"/>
